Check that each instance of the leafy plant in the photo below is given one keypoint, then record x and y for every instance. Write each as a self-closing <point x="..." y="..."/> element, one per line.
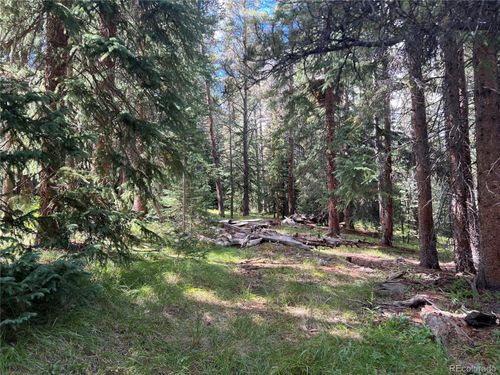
<point x="28" y="286"/>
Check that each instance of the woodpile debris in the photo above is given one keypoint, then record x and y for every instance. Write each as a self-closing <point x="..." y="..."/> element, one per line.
<point x="451" y="329"/>
<point x="446" y="327"/>
<point x="478" y="319"/>
<point x="247" y="233"/>
<point x="310" y="220"/>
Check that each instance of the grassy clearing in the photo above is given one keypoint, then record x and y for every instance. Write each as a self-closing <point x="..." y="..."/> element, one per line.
<point x="287" y="314"/>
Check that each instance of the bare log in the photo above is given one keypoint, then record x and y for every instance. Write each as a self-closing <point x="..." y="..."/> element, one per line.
<point x="285" y="240"/>
<point x="246" y="241"/>
<point x="254" y="231"/>
<point x="414" y="302"/>
<point x="218" y="242"/>
<point x="231" y="228"/>
<point x="445" y="327"/>
<point x="478" y="319"/>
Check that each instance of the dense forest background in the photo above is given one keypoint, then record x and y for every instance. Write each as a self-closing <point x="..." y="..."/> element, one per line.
<point x="129" y="124"/>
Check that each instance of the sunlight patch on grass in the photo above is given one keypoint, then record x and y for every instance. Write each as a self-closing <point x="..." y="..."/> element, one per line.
<point x="171" y="278"/>
<point x="204" y="296"/>
<point x="165" y="314"/>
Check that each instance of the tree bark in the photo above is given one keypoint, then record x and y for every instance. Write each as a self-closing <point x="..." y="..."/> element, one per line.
<point x="427" y="236"/>
<point x="215" y="154"/>
<point x="7" y="184"/>
<point x="7" y="194"/>
<point x="258" y="163"/>
<point x="246" y="165"/>
<point x="291" y="177"/>
<point x="262" y="164"/>
<point x="330" y="102"/>
<point x="139" y="204"/>
<point x="486" y="99"/>
<point x="134" y="150"/>
<point x="108" y="29"/>
<point x="56" y="66"/>
<point x="457" y="137"/>
<point x="384" y="150"/>
<point x="184" y="200"/>
<point x="348" y="217"/>
<point x="291" y="154"/>
<point x="231" y="174"/>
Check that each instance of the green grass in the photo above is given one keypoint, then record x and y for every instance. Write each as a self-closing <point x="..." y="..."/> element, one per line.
<point x="165" y="314"/>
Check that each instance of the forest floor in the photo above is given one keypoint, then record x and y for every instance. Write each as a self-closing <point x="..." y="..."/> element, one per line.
<point x="266" y="309"/>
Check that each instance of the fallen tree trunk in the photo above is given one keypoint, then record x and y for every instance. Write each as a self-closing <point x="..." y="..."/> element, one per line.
<point x="414" y="302"/>
<point x="302" y="219"/>
<point x="370" y="262"/>
<point x="478" y="319"/>
<point x="325" y="241"/>
<point x="285" y="240"/>
<point x="218" y="242"/>
<point x="254" y="231"/>
<point x="445" y="327"/>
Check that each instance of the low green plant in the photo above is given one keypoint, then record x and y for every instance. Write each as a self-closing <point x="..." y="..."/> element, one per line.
<point x="460" y="291"/>
<point x="29" y="287"/>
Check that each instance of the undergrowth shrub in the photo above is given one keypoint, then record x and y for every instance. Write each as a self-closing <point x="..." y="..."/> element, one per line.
<point x="185" y="244"/>
<point x="30" y="289"/>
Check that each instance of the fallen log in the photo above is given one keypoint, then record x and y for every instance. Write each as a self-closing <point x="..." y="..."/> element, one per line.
<point x="300" y="219"/>
<point x="254" y="231"/>
<point x="231" y="228"/>
<point x="414" y="302"/>
<point x="231" y="241"/>
<point x="218" y="242"/>
<point x="325" y="241"/>
<point x="478" y="319"/>
<point x="246" y="241"/>
<point x="288" y="221"/>
<point x="284" y="240"/>
<point x="445" y="327"/>
<point x="370" y="262"/>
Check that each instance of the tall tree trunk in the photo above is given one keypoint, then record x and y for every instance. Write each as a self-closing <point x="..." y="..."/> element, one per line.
<point x="330" y="102"/>
<point x="457" y="137"/>
<point x="384" y="151"/>
<point x="134" y="151"/>
<point x="7" y="194"/>
<point x="184" y="200"/>
<point x="262" y="164"/>
<point x="139" y="203"/>
<point x="215" y="154"/>
<point x="231" y="174"/>
<point x="108" y="29"/>
<point x="348" y="217"/>
<point x="258" y="164"/>
<point x="246" y="165"/>
<point x="291" y="177"/>
<point x="7" y="184"/>
<point x="56" y="65"/>
<point x="291" y="152"/>
<point x="427" y="236"/>
<point x="486" y="99"/>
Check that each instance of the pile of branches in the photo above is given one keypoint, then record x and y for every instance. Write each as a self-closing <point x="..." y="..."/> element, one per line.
<point x="253" y="232"/>
<point x="309" y="220"/>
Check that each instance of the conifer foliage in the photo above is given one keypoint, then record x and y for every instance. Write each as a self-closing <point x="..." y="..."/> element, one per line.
<point x="96" y="99"/>
<point x="117" y="116"/>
